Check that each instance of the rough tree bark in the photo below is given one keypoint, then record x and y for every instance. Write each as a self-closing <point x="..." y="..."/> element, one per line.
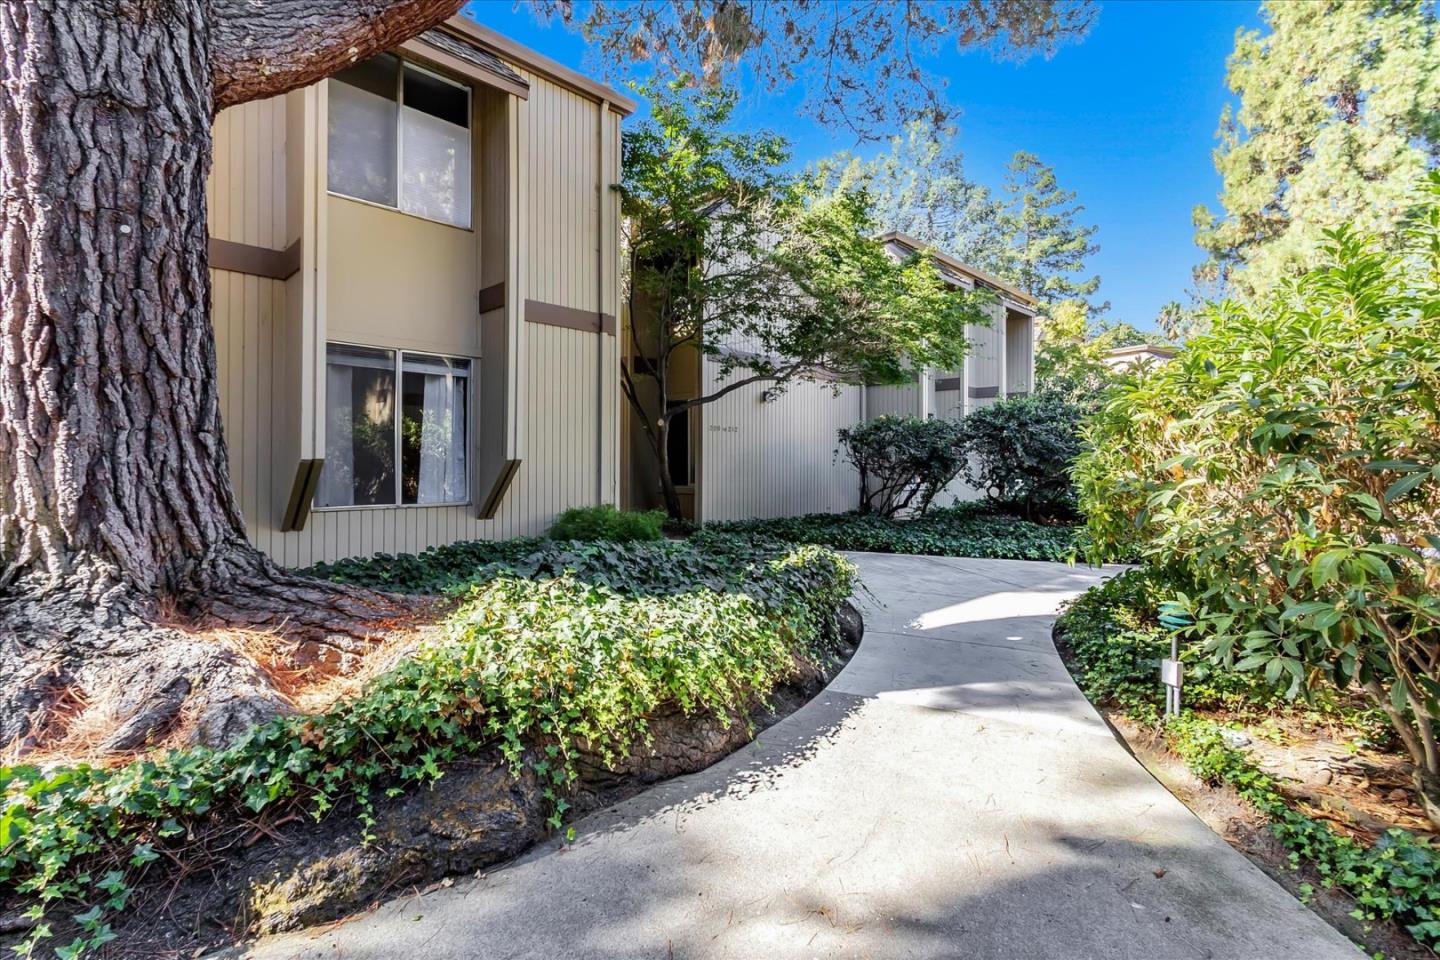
<point x="117" y="515"/>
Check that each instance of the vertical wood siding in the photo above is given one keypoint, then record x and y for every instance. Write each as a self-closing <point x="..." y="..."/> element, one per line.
<point x="245" y="195"/>
<point x="1019" y="354"/>
<point x="569" y="386"/>
<point x="987" y="345"/>
<point x="902" y="401"/>
<point x="775" y="459"/>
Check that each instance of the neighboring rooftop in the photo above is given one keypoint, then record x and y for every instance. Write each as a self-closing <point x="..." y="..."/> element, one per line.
<point x="973" y="274"/>
<point x="1144" y="349"/>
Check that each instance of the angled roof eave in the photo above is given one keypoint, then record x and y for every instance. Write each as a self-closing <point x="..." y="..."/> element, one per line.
<point x="974" y="273"/>
<point x="526" y="58"/>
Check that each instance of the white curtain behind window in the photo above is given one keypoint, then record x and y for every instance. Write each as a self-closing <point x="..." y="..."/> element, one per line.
<point x="442" y="440"/>
<point x="337" y="477"/>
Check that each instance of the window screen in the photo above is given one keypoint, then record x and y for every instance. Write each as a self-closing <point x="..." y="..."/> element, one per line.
<point x="362" y="124"/>
<point x="413" y="155"/>
<point x="373" y="459"/>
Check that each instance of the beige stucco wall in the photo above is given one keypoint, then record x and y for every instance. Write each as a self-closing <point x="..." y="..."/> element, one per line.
<point x="400" y="281"/>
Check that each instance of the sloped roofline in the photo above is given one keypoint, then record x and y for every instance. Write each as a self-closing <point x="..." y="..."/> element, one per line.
<point x="974" y="273"/>
<point x="1159" y="349"/>
<point x="522" y="55"/>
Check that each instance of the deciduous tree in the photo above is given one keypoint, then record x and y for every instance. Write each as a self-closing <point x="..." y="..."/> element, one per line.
<point x="861" y="63"/>
<point x="770" y="277"/>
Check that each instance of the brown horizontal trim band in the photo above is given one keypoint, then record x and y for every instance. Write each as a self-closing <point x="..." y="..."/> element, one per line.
<point x="492" y="297"/>
<point x="980" y="393"/>
<point x="554" y="315"/>
<point x="453" y="64"/>
<point x="256" y="261"/>
<point x="302" y="492"/>
<point x="950" y="383"/>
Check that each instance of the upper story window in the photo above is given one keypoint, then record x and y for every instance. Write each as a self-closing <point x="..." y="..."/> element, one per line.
<point x="400" y="136"/>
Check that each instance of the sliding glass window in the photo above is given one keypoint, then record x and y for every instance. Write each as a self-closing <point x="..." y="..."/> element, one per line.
<point x="400" y="136"/>
<point x="374" y="457"/>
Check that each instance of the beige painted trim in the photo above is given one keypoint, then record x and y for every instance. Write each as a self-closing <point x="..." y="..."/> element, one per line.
<point x="554" y="315"/>
<point x="510" y="50"/>
<point x="449" y="62"/>
<point x="255" y="261"/>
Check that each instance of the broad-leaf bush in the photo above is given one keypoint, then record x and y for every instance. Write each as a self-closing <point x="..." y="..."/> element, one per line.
<point x="605" y="522"/>
<point x="575" y="644"/>
<point x="1019" y="452"/>
<point x="964" y="530"/>
<point x="1288" y="465"/>
<point x="903" y="462"/>
<point x="1115" y="642"/>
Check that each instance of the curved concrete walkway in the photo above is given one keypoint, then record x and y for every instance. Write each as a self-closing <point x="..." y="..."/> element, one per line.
<point x="951" y="794"/>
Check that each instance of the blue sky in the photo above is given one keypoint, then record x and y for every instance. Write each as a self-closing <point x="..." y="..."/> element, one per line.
<point x="1127" y="117"/>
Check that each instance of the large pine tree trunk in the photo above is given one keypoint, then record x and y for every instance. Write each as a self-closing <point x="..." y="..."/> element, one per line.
<point x="110" y="418"/>
<point x="117" y="514"/>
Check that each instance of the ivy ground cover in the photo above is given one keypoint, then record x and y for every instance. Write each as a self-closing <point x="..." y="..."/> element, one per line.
<point x="964" y="530"/>
<point x="1114" y="641"/>
<point x="548" y="649"/>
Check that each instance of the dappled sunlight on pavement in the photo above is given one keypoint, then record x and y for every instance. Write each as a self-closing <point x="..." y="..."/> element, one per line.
<point x="950" y="794"/>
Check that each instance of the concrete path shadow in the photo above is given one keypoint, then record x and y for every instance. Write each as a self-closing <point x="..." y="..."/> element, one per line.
<point x="950" y="794"/>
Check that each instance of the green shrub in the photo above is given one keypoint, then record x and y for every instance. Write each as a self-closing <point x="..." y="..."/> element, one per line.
<point x="1396" y="879"/>
<point x="904" y="462"/>
<point x="1116" y="643"/>
<point x="573" y="643"/>
<point x="1288" y="465"/>
<point x="964" y="530"/>
<point x="1019" y="452"/>
<point x="604" y="522"/>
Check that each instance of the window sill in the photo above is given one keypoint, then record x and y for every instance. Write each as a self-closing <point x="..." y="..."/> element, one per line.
<point x="390" y="506"/>
<point x="404" y="213"/>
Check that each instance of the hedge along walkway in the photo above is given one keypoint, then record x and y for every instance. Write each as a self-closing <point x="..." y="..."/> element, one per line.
<point x="950" y="794"/>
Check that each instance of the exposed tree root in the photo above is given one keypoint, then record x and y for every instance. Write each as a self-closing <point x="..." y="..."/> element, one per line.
<point x="94" y="653"/>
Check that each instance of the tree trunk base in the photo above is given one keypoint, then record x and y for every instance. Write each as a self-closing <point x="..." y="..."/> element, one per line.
<point x="123" y="672"/>
<point x="1428" y="786"/>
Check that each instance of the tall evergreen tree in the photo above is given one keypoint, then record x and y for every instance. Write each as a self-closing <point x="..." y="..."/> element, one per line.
<point x="1339" y="116"/>
<point x="1047" y="245"/>
<point x="919" y="187"/>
